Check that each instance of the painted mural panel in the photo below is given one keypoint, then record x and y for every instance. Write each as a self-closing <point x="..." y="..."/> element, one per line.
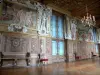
<point x="75" y="30"/>
<point x="70" y="28"/>
<point x="23" y="14"/>
<point x="19" y="18"/>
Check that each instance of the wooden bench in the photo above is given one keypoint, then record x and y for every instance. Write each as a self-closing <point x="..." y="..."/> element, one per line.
<point x="14" y="59"/>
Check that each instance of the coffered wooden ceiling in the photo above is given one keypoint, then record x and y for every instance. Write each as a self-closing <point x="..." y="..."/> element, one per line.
<point x="77" y="7"/>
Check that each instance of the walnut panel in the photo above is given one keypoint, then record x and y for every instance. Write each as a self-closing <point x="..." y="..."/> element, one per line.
<point x="19" y="43"/>
<point x="48" y="46"/>
<point x="81" y="48"/>
<point x="35" y="47"/>
<point x="15" y="44"/>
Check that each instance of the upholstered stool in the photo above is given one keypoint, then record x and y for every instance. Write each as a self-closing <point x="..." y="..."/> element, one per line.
<point x="44" y="61"/>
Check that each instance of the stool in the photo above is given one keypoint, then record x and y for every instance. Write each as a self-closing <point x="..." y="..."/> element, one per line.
<point x="43" y="60"/>
<point x="77" y="57"/>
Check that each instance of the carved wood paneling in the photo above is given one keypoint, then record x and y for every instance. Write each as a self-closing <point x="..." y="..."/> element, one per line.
<point x="19" y="43"/>
<point x="48" y="45"/>
<point x="15" y="44"/>
<point x="81" y="48"/>
<point x="35" y="46"/>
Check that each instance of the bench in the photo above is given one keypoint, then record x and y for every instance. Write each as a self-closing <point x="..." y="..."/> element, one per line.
<point x="14" y="59"/>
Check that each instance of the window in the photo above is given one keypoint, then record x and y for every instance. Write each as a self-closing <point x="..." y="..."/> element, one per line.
<point x="53" y="23"/>
<point x="54" y="48"/>
<point x="57" y="34"/>
<point x="61" y="48"/>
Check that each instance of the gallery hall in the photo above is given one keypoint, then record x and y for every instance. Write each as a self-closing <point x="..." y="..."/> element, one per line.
<point x="49" y="37"/>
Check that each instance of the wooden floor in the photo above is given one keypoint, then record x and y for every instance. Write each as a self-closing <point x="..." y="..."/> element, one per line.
<point x="84" y="67"/>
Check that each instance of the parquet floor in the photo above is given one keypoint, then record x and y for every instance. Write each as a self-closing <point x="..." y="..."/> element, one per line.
<point x="84" y="67"/>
